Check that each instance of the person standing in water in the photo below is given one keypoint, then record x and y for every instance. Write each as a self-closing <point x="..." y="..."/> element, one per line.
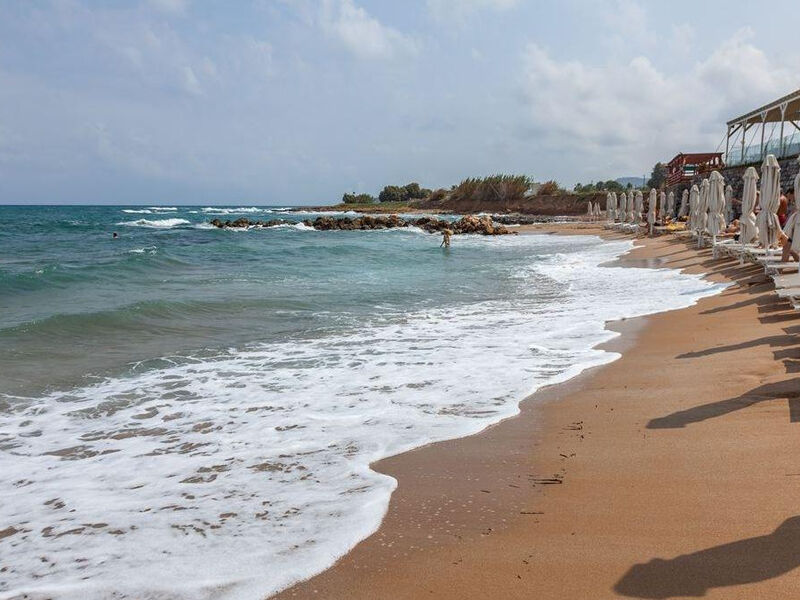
<point x="446" y="233"/>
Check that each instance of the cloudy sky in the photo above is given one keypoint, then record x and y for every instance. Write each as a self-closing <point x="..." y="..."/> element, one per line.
<point x="296" y="101"/>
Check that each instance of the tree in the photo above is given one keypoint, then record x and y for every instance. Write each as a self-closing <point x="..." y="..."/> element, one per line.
<point x="392" y="193"/>
<point x="658" y="177"/>
<point x="414" y="192"/>
<point x="358" y="199"/>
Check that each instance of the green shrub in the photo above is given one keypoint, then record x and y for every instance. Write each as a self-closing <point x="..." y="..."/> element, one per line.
<point x="358" y="199"/>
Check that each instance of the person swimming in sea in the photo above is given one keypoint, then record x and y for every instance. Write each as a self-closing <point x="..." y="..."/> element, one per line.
<point x="446" y="233"/>
<point x="114" y="235"/>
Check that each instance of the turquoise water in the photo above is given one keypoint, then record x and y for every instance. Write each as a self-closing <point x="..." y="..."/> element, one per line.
<point x="188" y="412"/>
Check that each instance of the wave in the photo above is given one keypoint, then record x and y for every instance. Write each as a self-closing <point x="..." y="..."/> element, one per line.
<point x="198" y="461"/>
<point x="219" y="210"/>
<point x="156" y="224"/>
<point x="143" y="211"/>
<point x="164" y="208"/>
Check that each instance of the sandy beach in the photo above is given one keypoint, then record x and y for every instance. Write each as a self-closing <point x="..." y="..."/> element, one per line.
<point x="668" y="473"/>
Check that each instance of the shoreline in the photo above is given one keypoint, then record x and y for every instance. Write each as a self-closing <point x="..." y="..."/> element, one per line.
<point x="521" y="509"/>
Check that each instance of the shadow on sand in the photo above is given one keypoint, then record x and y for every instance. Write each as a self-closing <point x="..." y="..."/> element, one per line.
<point x="789" y="389"/>
<point x="746" y="561"/>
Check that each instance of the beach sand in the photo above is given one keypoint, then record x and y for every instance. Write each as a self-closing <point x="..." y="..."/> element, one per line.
<point x="672" y="472"/>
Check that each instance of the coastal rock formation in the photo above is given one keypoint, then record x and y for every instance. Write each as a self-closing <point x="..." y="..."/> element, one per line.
<point x="244" y="223"/>
<point x="468" y="224"/>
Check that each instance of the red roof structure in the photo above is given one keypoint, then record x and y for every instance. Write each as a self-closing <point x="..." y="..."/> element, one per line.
<point x="684" y="166"/>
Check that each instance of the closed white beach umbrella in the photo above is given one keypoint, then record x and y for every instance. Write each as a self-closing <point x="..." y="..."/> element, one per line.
<point x="597" y="211"/>
<point x="728" y="203"/>
<point x="622" y="209"/>
<point x="716" y="205"/>
<point x="702" y="211"/>
<point x="792" y="228"/>
<point x="671" y="205"/>
<point x="610" y="209"/>
<point x="662" y="205"/>
<point x="684" y="209"/>
<point x="651" y="209"/>
<point x="694" y="202"/>
<point x="589" y="209"/>
<point x="748" y="228"/>
<point x="615" y="201"/>
<point x="768" y="224"/>
<point x="638" y="208"/>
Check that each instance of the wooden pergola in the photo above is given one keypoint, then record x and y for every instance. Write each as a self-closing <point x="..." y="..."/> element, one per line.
<point x="783" y="110"/>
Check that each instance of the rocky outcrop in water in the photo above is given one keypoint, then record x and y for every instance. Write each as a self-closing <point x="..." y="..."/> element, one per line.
<point x="244" y="223"/>
<point x="469" y="224"/>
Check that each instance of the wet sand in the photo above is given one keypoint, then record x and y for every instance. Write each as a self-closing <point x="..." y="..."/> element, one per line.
<point x="673" y="472"/>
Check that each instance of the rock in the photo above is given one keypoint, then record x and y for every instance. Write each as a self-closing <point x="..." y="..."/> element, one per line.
<point x="468" y="224"/>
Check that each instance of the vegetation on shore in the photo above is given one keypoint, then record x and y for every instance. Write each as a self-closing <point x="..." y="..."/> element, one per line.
<point x="500" y="187"/>
<point x="658" y="177"/>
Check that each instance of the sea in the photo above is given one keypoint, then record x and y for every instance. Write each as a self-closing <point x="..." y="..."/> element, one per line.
<point x="191" y="413"/>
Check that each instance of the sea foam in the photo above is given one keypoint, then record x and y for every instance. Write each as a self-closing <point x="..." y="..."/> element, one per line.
<point x="236" y="474"/>
<point x="155" y="224"/>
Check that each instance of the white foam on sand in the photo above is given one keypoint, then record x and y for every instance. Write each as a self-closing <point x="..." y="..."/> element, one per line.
<point x="236" y="475"/>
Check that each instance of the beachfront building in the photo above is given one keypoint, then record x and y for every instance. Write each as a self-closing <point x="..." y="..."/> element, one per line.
<point x="683" y="168"/>
<point x="773" y="128"/>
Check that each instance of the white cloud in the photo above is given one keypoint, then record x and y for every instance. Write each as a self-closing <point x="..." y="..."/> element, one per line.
<point x="682" y="39"/>
<point x="459" y="11"/>
<point x="628" y="27"/>
<point x="621" y="114"/>
<point x="363" y="35"/>
<point x="170" y="7"/>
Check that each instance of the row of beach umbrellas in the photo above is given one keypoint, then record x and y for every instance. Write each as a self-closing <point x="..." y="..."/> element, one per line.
<point x="708" y="207"/>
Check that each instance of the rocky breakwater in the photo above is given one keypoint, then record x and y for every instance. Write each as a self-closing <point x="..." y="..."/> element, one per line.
<point x="469" y="224"/>
<point x="245" y="223"/>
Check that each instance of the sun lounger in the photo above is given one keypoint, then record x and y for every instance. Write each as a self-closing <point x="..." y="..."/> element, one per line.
<point x="774" y="264"/>
<point x="788" y="281"/>
<point x="791" y="294"/>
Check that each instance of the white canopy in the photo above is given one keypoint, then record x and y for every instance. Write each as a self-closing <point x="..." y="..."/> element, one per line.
<point x="728" y="203"/>
<point x="694" y="202"/>
<point x="638" y="208"/>
<point x="702" y="207"/>
<point x="768" y="224"/>
<point x="792" y="228"/>
<point x="748" y="228"/>
<point x="716" y="204"/>
<point x="684" y="209"/>
<point x="651" y="207"/>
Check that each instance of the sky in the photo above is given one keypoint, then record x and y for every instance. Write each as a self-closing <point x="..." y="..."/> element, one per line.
<point x="286" y="102"/>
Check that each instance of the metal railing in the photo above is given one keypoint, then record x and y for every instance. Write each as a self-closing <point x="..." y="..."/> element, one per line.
<point x="753" y="154"/>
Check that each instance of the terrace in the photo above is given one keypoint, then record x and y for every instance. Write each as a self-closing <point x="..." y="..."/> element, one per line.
<point x="684" y="167"/>
<point x="770" y="129"/>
